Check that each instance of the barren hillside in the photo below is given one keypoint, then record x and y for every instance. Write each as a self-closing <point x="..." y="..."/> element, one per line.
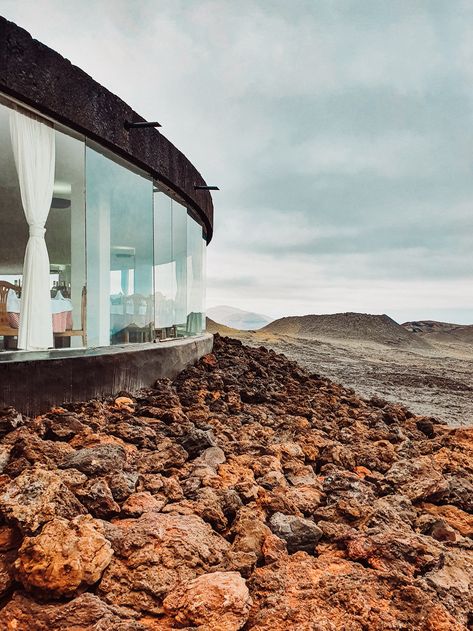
<point x="431" y="330"/>
<point x="362" y="327"/>
<point x="216" y="327"/>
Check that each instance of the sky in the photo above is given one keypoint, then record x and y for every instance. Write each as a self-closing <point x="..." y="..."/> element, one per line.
<point x="340" y="134"/>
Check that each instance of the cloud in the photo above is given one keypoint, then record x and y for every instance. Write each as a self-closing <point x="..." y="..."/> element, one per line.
<point x="340" y="134"/>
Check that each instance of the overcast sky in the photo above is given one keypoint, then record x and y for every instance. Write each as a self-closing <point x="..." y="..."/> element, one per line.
<point x="340" y="133"/>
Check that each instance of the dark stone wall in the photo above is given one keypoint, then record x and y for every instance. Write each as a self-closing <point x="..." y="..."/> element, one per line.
<point x="38" y="76"/>
<point x="34" y="382"/>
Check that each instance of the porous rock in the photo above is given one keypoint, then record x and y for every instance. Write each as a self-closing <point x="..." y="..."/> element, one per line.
<point x="35" y="497"/>
<point x="220" y="600"/>
<point x="382" y="500"/>
<point x="86" y="612"/>
<point x="297" y="532"/>
<point x="65" y="557"/>
<point x="156" y="552"/>
<point x="97" y="460"/>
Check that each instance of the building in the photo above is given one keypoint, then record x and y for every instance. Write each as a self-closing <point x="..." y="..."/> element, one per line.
<point x="103" y="232"/>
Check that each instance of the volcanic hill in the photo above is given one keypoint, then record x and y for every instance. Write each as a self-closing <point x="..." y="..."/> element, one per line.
<point x="363" y="327"/>
<point x="441" y="331"/>
<point x="247" y="495"/>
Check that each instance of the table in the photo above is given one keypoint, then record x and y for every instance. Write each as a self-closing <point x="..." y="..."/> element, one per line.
<point x="61" y="312"/>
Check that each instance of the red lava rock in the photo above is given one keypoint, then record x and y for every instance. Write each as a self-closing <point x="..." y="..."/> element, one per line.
<point x="97" y="497"/>
<point x="456" y="518"/>
<point x="125" y="403"/>
<point x="156" y="552"/>
<point x="211" y="601"/>
<point x="65" y="557"/>
<point x="87" y="611"/>
<point x="209" y="361"/>
<point x="306" y="593"/>
<point x="6" y="571"/>
<point x="372" y="508"/>
<point x="143" y="502"/>
<point x="35" y="497"/>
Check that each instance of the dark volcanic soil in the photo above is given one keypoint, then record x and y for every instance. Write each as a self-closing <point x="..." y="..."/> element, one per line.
<point x="248" y="494"/>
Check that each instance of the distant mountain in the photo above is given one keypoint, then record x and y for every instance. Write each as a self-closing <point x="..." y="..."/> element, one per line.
<point x="215" y="327"/>
<point x="237" y="318"/>
<point x="441" y="331"/>
<point x="347" y="326"/>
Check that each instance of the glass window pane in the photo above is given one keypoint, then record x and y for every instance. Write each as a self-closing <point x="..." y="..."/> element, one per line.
<point x="179" y="250"/>
<point x="195" y="298"/>
<point x="119" y="252"/>
<point x="164" y="267"/>
<point x="65" y="239"/>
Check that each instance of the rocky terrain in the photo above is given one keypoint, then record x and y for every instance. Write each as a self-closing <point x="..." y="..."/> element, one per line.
<point x="247" y="494"/>
<point x="425" y="365"/>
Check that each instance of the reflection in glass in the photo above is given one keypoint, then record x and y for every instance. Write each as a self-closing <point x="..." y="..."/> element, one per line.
<point x="164" y="267"/>
<point x="195" y="280"/>
<point x="65" y="239"/>
<point x="119" y="253"/>
<point x="179" y="251"/>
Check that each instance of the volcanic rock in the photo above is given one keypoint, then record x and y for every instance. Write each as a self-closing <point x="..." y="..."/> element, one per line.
<point x="298" y="533"/>
<point x="212" y="601"/>
<point x="65" y="557"/>
<point x="156" y="552"/>
<point x="35" y="497"/>
<point x="86" y="611"/>
<point x="329" y="593"/>
<point x="96" y="460"/>
<point x="340" y="512"/>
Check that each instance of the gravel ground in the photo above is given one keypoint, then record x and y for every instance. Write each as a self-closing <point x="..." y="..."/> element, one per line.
<point x="434" y="382"/>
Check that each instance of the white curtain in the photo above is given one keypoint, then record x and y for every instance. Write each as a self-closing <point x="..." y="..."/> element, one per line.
<point x="34" y="150"/>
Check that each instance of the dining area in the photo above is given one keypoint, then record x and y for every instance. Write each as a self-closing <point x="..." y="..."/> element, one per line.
<point x="61" y="309"/>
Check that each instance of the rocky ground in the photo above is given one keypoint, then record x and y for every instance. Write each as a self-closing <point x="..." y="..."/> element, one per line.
<point x="247" y="494"/>
<point x="436" y="380"/>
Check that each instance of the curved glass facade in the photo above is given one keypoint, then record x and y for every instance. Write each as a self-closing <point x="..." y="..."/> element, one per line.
<point x="126" y="259"/>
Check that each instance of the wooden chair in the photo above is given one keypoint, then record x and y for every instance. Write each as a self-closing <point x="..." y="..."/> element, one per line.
<point x="82" y="332"/>
<point x="5" y="329"/>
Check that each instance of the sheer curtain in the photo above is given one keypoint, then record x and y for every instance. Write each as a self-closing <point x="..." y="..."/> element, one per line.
<point x="34" y="151"/>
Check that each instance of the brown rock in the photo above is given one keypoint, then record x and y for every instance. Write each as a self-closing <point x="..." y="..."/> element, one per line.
<point x="297" y="532"/>
<point x="36" y="497"/>
<point x="27" y="449"/>
<point x="455" y="517"/>
<point x="418" y="479"/>
<point x="66" y="557"/>
<point x="10" y="538"/>
<point x="156" y="552"/>
<point x="84" y="613"/>
<point x="328" y="593"/>
<point x="6" y="572"/>
<point x="167" y="455"/>
<point x="97" y="497"/>
<point x="97" y="460"/>
<point x="10" y="419"/>
<point x="142" y="502"/>
<point x="220" y="600"/>
<point x="125" y="403"/>
<point x="401" y="552"/>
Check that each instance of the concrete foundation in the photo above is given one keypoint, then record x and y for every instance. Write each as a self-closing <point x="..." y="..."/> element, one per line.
<point x="34" y="382"/>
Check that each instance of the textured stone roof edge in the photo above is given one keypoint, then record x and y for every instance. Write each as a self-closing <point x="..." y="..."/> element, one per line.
<point x="40" y="77"/>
